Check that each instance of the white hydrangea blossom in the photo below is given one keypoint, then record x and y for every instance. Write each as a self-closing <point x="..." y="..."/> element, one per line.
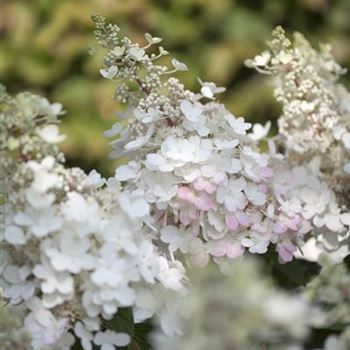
<point x="77" y="248"/>
<point x="221" y="313"/>
<point x="74" y="252"/>
<point x="202" y="171"/>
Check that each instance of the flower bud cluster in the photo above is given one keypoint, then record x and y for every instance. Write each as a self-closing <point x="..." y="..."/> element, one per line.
<point x="28" y="131"/>
<point x="315" y="119"/>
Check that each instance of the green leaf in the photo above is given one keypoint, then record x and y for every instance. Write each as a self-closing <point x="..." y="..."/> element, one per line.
<point x="347" y="262"/>
<point x="319" y="336"/>
<point x="294" y="274"/>
<point x="142" y="332"/>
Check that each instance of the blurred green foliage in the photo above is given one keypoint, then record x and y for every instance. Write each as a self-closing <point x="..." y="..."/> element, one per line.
<point x="45" y="49"/>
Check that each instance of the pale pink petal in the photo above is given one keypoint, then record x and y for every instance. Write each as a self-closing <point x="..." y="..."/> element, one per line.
<point x="231" y="221"/>
<point x="234" y="250"/>
<point x="285" y="251"/>
<point x="203" y="202"/>
<point x="242" y="218"/>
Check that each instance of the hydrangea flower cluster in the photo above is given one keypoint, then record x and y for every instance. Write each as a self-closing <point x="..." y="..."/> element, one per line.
<point x="77" y="248"/>
<point x="72" y="251"/>
<point x="315" y="120"/>
<point x="331" y="289"/>
<point x="212" y="192"/>
<point x="238" y="319"/>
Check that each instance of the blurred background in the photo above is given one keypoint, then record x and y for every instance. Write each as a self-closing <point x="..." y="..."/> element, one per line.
<point x="45" y="50"/>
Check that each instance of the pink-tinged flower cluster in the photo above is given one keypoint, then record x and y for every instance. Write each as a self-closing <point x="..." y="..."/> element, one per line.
<point x="212" y="191"/>
<point x="217" y="195"/>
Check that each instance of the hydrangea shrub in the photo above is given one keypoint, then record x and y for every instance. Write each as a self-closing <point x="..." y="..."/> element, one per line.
<point x="89" y="262"/>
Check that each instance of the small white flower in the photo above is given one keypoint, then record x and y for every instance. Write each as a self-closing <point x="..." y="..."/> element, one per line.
<point x="16" y="287"/>
<point x="120" y="233"/>
<point x="79" y="211"/>
<point x="209" y="89"/>
<point x="231" y="194"/>
<point x="259" y="131"/>
<point x="173" y="236"/>
<point x="44" y="328"/>
<point x="70" y="253"/>
<point x="259" y="60"/>
<point x="109" y="340"/>
<point x="159" y="187"/>
<point x="140" y="141"/>
<point x="155" y="161"/>
<point x="84" y="335"/>
<point x="39" y="200"/>
<point x="238" y="125"/>
<point x="171" y="275"/>
<point x="127" y="172"/>
<point x="253" y="194"/>
<point x="191" y="111"/>
<point x="44" y="177"/>
<point x="110" y="72"/>
<point x="178" y="65"/>
<point x="136" y="53"/>
<point x="162" y="51"/>
<point x="118" y="51"/>
<point x="134" y="204"/>
<point x="226" y="144"/>
<point x="45" y="108"/>
<point x="14" y="235"/>
<point x="39" y="222"/>
<point x="95" y="179"/>
<point x="152" y="39"/>
<point x="284" y="57"/>
<point x="56" y="286"/>
<point x="50" y="134"/>
<point x="150" y="116"/>
<point x="114" y="130"/>
<point x="255" y="244"/>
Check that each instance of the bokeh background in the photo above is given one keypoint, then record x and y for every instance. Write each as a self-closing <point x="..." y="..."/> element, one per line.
<point x="45" y="43"/>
